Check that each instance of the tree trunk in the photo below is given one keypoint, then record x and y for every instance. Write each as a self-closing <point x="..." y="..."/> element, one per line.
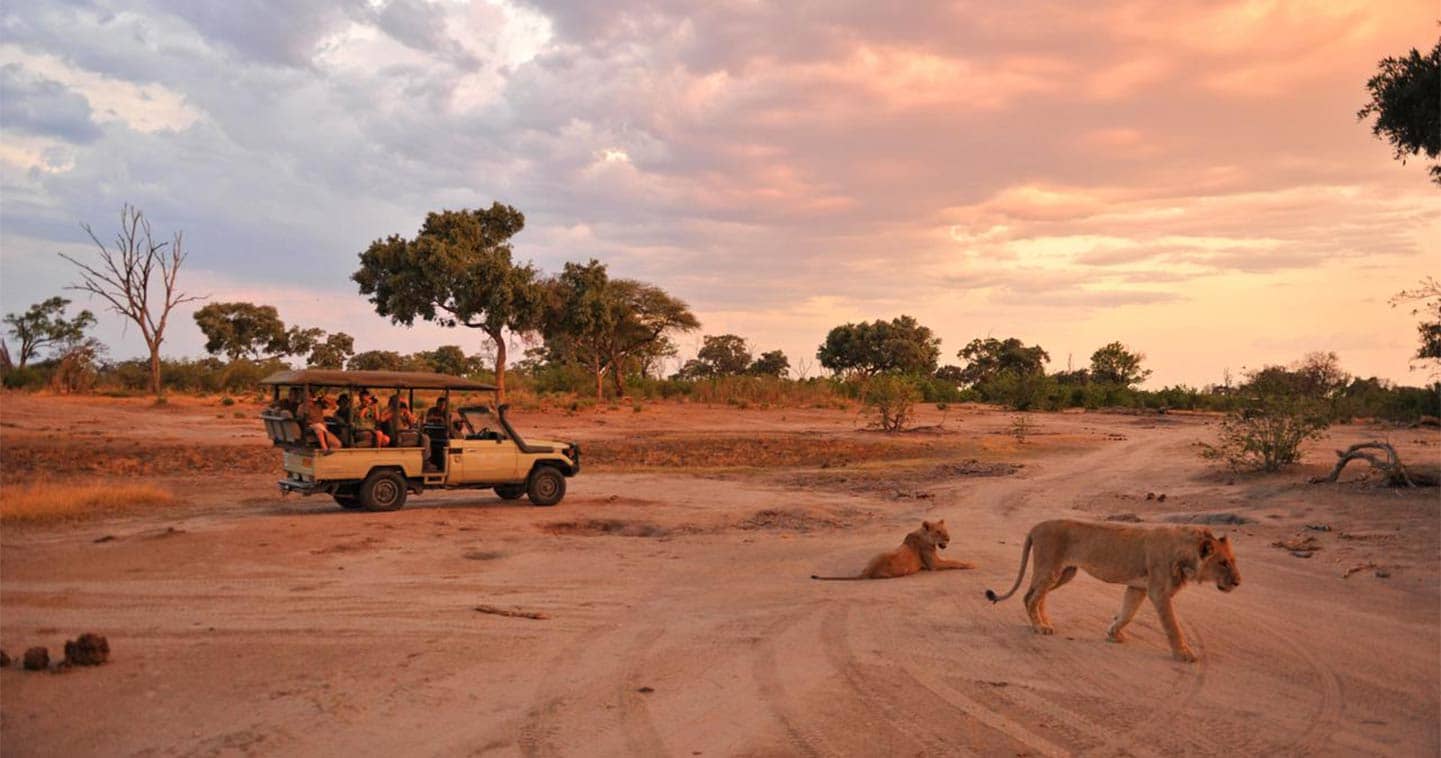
<point x="155" y="386"/>
<point x="599" y="381"/>
<point x="618" y="378"/>
<point x="499" y="338"/>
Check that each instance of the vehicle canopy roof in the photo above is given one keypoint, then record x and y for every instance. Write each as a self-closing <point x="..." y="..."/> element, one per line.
<point x="420" y="380"/>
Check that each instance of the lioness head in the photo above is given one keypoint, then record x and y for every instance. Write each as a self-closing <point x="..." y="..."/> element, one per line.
<point x="935" y="534"/>
<point x="1218" y="563"/>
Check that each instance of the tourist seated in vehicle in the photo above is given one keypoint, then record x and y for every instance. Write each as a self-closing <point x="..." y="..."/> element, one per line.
<point x="312" y="414"/>
<point x="368" y="420"/>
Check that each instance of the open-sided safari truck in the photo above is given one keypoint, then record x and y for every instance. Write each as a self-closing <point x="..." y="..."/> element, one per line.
<point x="466" y="447"/>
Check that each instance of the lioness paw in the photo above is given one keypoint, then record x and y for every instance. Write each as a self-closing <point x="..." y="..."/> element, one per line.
<point x="1184" y="655"/>
<point x="1044" y="629"/>
<point x="1116" y="636"/>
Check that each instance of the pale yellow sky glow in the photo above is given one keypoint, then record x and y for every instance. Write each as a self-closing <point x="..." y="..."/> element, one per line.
<point x="1187" y="178"/>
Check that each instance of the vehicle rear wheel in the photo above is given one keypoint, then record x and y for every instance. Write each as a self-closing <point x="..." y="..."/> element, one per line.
<point x="510" y="491"/>
<point x="546" y="486"/>
<point x="382" y="491"/>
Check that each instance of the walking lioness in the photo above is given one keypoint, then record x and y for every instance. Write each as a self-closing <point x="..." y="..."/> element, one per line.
<point x="1152" y="562"/>
<point x="916" y="553"/>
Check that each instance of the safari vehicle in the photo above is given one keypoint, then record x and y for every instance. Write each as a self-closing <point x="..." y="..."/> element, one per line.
<point x="471" y="449"/>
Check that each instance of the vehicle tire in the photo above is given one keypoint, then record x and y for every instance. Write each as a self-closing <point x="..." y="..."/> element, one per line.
<point x="546" y="486"/>
<point x="510" y="491"/>
<point x="382" y="491"/>
<point x="348" y="502"/>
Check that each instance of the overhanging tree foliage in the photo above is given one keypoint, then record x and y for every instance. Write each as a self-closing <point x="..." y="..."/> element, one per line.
<point x="458" y="271"/>
<point x="1407" y="106"/>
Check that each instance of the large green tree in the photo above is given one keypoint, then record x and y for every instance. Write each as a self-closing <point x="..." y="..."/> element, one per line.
<point x="988" y="358"/>
<point x="333" y="351"/>
<point x="724" y="354"/>
<point x="458" y="271"/>
<point x="1117" y="364"/>
<point x="1406" y="101"/>
<point x="45" y="325"/>
<point x="899" y="345"/>
<point x="243" y="330"/>
<point x="771" y="363"/>
<point x="601" y="323"/>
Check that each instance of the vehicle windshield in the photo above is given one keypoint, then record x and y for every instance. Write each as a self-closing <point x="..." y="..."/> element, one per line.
<point x="480" y="422"/>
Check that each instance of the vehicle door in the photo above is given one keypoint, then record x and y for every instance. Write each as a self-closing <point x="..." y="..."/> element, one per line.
<point x="484" y="460"/>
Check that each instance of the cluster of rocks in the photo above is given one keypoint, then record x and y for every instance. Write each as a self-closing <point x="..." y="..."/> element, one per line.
<point x="88" y="649"/>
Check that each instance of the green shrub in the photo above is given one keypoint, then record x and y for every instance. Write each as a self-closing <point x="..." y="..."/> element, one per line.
<point x="891" y="398"/>
<point x="1266" y="433"/>
<point x="27" y="378"/>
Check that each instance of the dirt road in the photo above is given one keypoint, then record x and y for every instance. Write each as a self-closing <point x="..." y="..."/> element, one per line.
<point x="681" y="619"/>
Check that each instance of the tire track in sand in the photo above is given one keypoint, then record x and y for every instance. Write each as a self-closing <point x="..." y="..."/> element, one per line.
<point x="800" y="737"/>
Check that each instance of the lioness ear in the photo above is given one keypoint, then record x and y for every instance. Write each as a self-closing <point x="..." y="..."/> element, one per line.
<point x="942" y="522"/>
<point x="925" y="525"/>
<point x="1207" y="548"/>
<point x="1226" y="538"/>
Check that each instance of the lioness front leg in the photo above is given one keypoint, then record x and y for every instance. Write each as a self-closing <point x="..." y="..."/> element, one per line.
<point x="1161" y="598"/>
<point x="941" y="564"/>
<point x="1129" y="605"/>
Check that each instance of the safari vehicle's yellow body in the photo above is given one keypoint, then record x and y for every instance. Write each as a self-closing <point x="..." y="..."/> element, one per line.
<point x="464" y="452"/>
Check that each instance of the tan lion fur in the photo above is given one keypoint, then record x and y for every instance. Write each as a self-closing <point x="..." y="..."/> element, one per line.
<point x="916" y="553"/>
<point x="1152" y="561"/>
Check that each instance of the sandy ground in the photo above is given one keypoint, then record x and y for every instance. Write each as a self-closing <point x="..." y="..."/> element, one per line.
<point x="680" y="616"/>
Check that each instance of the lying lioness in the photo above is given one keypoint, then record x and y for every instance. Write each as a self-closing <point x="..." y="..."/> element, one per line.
<point x="916" y="553"/>
<point x="1152" y="562"/>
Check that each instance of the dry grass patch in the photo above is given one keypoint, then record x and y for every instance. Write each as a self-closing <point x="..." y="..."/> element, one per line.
<point x="48" y="501"/>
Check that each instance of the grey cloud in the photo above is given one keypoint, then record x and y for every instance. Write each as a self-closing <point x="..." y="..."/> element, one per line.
<point x="36" y="105"/>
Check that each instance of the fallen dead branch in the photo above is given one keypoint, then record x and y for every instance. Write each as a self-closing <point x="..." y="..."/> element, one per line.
<point x="1397" y="475"/>
<point x="511" y="612"/>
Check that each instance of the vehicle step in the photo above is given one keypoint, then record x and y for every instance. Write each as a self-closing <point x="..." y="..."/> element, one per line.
<point x="429" y="478"/>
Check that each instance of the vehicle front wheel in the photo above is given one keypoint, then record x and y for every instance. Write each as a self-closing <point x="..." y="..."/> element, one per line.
<point x="510" y="491"/>
<point x="382" y="491"/>
<point x="546" y="486"/>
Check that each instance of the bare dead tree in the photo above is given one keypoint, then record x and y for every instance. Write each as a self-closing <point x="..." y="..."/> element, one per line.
<point x="1397" y="475"/>
<point x="137" y="278"/>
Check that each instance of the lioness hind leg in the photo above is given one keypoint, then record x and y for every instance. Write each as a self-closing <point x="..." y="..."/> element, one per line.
<point x="1067" y="575"/>
<point x="1129" y="605"/>
<point x="1036" y="602"/>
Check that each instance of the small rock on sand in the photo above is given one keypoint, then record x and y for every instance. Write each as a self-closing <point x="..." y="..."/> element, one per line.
<point x="89" y="649"/>
<point x="37" y="659"/>
<point x="4" y="659"/>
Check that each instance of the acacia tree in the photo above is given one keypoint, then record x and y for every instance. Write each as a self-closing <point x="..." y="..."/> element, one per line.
<point x="900" y="345"/>
<point x="45" y="325"/>
<point x="458" y="271"/>
<point x="137" y="277"/>
<point x="1116" y="364"/>
<point x="1407" y="107"/>
<point x="601" y="322"/>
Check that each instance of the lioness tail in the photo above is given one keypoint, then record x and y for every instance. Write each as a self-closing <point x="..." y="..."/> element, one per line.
<point x="1025" y="556"/>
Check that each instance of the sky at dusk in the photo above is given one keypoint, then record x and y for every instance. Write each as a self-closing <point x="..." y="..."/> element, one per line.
<point x="1187" y="178"/>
